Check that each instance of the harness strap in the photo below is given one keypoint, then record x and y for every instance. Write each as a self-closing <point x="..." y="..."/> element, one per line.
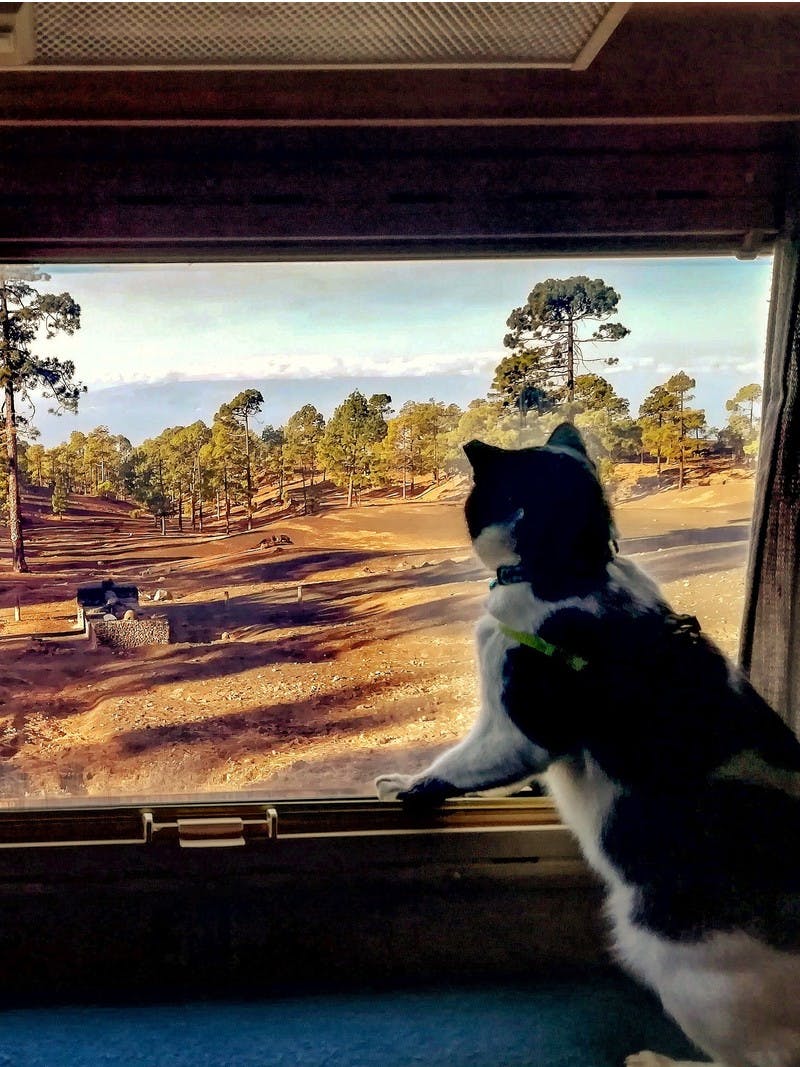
<point x="576" y="663"/>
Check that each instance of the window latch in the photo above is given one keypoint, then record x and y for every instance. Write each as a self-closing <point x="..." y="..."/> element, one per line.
<point x="225" y="831"/>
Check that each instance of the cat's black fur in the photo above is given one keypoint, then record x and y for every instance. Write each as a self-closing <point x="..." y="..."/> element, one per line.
<point x="702" y="827"/>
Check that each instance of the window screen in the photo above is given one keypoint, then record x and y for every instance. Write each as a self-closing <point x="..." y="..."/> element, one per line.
<point x="242" y="565"/>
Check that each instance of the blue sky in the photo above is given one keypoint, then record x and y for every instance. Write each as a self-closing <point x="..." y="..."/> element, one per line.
<point x="300" y="321"/>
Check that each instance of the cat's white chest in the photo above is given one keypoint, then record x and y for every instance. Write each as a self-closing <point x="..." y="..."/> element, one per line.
<point x="585" y="797"/>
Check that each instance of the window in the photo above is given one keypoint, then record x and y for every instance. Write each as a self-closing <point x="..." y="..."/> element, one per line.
<point x="249" y="573"/>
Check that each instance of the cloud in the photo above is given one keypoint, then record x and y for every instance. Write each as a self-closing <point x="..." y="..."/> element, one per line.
<point x="313" y="366"/>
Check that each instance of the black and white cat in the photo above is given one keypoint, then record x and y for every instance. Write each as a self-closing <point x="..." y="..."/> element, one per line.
<point x="681" y="784"/>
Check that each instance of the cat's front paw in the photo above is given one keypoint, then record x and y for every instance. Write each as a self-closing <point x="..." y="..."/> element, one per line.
<point x="389" y="786"/>
<point x="425" y="792"/>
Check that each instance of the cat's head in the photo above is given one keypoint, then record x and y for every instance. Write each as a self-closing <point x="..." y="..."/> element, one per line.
<point x="541" y="511"/>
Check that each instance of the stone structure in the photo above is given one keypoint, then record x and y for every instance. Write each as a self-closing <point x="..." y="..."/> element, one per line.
<point x="132" y="633"/>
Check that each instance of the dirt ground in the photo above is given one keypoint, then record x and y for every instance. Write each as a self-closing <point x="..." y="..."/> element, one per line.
<point x="371" y="670"/>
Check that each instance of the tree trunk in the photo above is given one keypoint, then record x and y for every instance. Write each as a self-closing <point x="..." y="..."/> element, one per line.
<point x="682" y="438"/>
<point x="199" y="490"/>
<point x="18" y="561"/>
<point x="163" y="525"/>
<point x="350" y="489"/>
<point x="570" y="363"/>
<point x="249" y="489"/>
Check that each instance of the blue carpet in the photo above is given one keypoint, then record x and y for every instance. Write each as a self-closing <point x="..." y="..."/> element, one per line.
<point x="590" y="1023"/>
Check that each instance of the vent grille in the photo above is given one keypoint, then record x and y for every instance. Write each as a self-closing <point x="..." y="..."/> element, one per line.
<point x="303" y="35"/>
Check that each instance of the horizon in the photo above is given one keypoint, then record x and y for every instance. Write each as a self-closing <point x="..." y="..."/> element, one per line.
<point x="208" y="330"/>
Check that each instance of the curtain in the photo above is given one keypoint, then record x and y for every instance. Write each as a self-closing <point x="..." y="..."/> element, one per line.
<point x="770" y="644"/>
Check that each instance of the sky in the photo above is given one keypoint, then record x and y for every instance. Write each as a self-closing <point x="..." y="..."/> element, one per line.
<point x="293" y="323"/>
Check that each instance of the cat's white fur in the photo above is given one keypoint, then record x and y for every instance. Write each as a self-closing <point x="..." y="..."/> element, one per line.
<point x="734" y="996"/>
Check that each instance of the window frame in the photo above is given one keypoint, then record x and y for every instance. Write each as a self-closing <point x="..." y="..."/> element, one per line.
<point x="141" y="182"/>
<point x="141" y="824"/>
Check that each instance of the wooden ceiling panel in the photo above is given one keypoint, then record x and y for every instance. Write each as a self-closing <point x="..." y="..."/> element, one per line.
<point x="244" y="192"/>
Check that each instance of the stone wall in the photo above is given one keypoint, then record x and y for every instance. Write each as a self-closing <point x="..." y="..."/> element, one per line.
<point x="133" y="633"/>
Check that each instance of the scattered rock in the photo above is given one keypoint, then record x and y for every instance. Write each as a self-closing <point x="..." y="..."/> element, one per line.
<point x="274" y="539"/>
<point x="129" y="616"/>
<point x="225" y="636"/>
<point x="162" y="594"/>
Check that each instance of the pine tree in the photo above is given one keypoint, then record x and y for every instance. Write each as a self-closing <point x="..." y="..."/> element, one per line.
<point x="59" y="502"/>
<point x="24" y="310"/>
<point x="549" y="327"/>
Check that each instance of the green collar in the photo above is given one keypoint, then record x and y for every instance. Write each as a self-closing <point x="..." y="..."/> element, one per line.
<point x="576" y="663"/>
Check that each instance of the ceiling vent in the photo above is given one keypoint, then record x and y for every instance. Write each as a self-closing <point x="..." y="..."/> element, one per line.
<point x="305" y="35"/>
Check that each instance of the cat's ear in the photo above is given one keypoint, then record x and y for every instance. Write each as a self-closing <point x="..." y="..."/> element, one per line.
<point x="481" y="455"/>
<point x="566" y="436"/>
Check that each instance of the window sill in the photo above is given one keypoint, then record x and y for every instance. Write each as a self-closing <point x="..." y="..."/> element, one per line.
<point x="180" y="821"/>
<point x="348" y="891"/>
